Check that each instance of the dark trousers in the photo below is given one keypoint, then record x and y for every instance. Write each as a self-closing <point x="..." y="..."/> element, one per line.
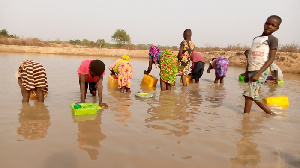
<point x="197" y="70"/>
<point x="91" y="85"/>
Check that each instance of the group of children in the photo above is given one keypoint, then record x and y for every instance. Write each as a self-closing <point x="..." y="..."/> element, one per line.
<point x="32" y="75"/>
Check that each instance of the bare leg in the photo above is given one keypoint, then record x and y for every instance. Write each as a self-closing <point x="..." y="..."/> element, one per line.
<point x="183" y="78"/>
<point x="221" y="80"/>
<point x="128" y="90"/>
<point x="194" y="81"/>
<point x="40" y="94"/>
<point x="216" y="80"/>
<point x="264" y="107"/>
<point x="162" y="85"/>
<point x="25" y="93"/>
<point x="168" y="86"/>
<point x="248" y="105"/>
<point x="122" y="89"/>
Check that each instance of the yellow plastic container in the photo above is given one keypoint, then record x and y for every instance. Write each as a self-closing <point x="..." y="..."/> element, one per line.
<point x="85" y="108"/>
<point x="112" y="81"/>
<point x="188" y="79"/>
<point x="280" y="101"/>
<point x="149" y="81"/>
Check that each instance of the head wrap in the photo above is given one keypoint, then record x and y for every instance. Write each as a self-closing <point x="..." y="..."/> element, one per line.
<point x="153" y="51"/>
<point x="125" y="58"/>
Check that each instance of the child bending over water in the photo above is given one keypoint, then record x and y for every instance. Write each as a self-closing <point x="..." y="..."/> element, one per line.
<point x="154" y="54"/>
<point x="32" y="79"/>
<point x="123" y="69"/>
<point x="90" y="73"/>
<point x="197" y="66"/>
<point x="220" y="65"/>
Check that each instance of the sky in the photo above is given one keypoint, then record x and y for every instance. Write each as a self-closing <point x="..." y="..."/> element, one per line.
<point x="160" y="22"/>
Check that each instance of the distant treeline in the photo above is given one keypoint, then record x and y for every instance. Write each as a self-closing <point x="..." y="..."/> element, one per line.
<point x="8" y="39"/>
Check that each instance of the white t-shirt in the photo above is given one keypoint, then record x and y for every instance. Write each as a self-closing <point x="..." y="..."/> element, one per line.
<point x="259" y="52"/>
<point x="274" y="67"/>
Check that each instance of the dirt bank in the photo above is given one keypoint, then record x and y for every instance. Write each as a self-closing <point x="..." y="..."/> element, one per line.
<point x="288" y="62"/>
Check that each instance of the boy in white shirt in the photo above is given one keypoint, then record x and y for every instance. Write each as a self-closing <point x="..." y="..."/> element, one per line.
<point x="261" y="56"/>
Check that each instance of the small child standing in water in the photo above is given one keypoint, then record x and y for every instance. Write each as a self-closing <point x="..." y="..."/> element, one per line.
<point x="90" y="73"/>
<point x="261" y="56"/>
<point x="220" y="65"/>
<point x="184" y="55"/>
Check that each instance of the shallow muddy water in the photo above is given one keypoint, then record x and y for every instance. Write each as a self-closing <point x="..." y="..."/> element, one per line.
<point x="201" y="125"/>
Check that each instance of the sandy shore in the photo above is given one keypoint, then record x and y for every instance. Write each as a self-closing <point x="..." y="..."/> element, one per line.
<point x="288" y="62"/>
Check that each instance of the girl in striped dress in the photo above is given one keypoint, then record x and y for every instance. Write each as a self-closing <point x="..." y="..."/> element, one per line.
<point x="32" y="79"/>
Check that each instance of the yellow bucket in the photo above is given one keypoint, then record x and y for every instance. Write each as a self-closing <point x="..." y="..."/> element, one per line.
<point x="280" y="101"/>
<point x="112" y="81"/>
<point x="188" y="79"/>
<point x="149" y="81"/>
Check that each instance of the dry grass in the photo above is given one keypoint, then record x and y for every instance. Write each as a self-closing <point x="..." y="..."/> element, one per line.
<point x="292" y="48"/>
<point x="23" y="42"/>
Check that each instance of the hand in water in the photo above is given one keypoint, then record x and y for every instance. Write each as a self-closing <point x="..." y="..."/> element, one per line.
<point x="103" y="105"/>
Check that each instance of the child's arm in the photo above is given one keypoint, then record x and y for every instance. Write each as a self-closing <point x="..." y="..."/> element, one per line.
<point x="82" y="88"/>
<point x="149" y="66"/>
<point x="209" y="68"/>
<point x="180" y="52"/>
<point x="270" y="60"/>
<point x="112" y="72"/>
<point x="276" y="75"/>
<point x="99" y="88"/>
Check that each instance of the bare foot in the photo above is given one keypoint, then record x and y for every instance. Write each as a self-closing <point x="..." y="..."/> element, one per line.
<point x="271" y="113"/>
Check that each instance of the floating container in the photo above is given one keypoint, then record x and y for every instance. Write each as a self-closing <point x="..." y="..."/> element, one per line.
<point x="85" y="108"/>
<point x="32" y="96"/>
<point x="279" y="101"/>
<point x="188" y="79"/>
<point x="112" y="81"/>
<point x="149" y="81"/>
<point x="241" y="78"/>
<point x="280" y="82"/>
<point x="81" y="118"/>
<point x="144" y="95"/>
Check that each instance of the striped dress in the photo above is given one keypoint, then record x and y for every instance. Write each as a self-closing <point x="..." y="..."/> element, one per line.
<point x="33" y="75"/>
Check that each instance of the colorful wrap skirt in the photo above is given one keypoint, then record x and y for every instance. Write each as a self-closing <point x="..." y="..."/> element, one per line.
<point x="221" y="67"/>
<point x="125" y="70"/>
<point x="168" y="66"/>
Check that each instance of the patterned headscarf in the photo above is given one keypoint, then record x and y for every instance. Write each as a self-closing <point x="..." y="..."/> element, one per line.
<point x="153" y="51"/>
<point x="125" y="58"/>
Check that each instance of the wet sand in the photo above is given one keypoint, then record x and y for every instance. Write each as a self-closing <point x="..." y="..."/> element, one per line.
<point x="201" y="125"/>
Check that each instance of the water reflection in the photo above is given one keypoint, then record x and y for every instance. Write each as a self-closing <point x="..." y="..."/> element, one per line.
<point x="169" y="113"/>
<point x="217" y="94"/>
<point x="121" y="105"/>
<point x="247" y="149"/>
<point x="34" y="121"/>
<point x="90" y="134"/>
